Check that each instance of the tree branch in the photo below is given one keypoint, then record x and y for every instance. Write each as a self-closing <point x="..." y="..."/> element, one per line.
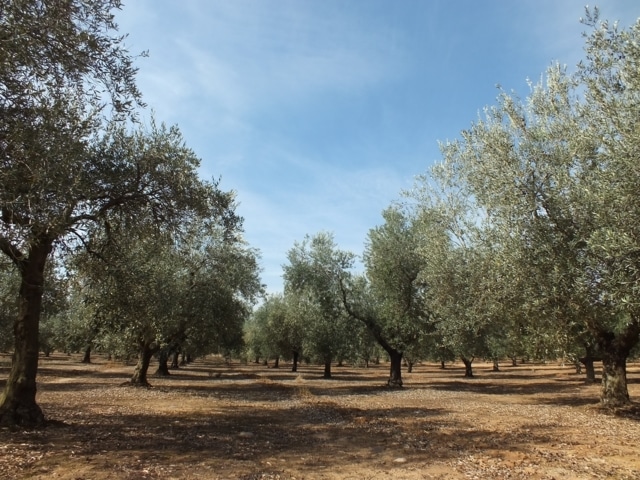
<point x="13" y="252"/>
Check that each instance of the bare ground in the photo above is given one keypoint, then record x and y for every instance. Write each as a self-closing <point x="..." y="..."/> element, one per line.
<point x="216" y="421"/>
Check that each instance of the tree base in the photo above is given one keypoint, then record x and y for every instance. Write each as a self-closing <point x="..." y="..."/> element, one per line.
<point x="29" y="416"/>
<point x="394" y="383"/>
<point x="131" y="383"/>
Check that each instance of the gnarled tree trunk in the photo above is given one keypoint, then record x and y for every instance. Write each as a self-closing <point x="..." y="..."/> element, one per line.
<point x="18" y="400"/>
<point x="614" y="381"/>
<point x="139" y="377"/>
<point x="615" y="348"/>
<point x="468" y="366"/>
<point x="163" y="361"/>
<point x="294" y="367"/>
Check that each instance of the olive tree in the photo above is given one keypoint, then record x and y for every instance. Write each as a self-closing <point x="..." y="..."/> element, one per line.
<point x="393" y="263"/>
<point x="556" y="176"/>
<point x="312" y="277"/>
<point x="60" y="66"/>
<point x="69" y="160"/>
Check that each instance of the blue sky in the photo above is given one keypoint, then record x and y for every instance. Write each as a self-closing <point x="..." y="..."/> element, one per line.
<point x="319" y="112"/>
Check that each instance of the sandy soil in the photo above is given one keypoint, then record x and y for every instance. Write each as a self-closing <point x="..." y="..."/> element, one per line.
<point x="216" y="421"/>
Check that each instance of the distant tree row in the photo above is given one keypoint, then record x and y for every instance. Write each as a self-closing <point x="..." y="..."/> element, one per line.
<point x="523" y="242"/>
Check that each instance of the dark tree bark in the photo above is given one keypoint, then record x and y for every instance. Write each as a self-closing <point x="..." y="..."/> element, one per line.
<point x="468" y="368"/>
<point x="409" y="366"/>
<point x="442" y="365"/>
<point x="590" y="370"/>
<point x="18" y="400"/>
<point x="183" y="359"/>
<point x="163" y="361"/>
<point x="87" y="355"/>
<point x="327" y="368"/>
<point x="276" y="362"/>
<point x="139" y="377"/>
<point x="589" y="365"/>
<point x="496" y="366"/>
<point x="615" y="349"/>
<point x="590" y="357"/>
<point x="175" y="356"/>
<point x="294" y="367"/>
<point x="395" y="369"/>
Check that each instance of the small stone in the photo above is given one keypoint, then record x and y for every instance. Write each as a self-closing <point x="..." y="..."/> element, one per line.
<point x="245" y="434"/>
<point x="400" y="460"/>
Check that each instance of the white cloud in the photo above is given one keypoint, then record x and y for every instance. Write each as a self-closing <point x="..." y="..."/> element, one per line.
<point x="243" y="56"/>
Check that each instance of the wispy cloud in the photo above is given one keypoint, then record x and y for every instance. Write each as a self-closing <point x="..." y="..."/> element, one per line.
<point x="245" y="56"/>
<point x="318" y="113"/>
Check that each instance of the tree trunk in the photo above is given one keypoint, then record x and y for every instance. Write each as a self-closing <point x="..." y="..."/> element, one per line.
<point x="409" y="366"/>
<point x="174" y="359"/>
<point x="442" y="365"/>
<point x="496" y="367"/>
<point x="163" y="367"/>
<point x="395" y="369"/>
<point x="183" y="359"/>
<point x="18" y="400"/>
<point x="276" y="362"/>
<point x="142" y="367"/>
<point x="590" y="357"/>
<point x="294" y="368"/>
<point x="615" y="349"/>
<point x="468" y="368"/>
<point x="327" y="368"/>
<point x="87" y="355"/>
<point x="588" y="362"/>
<point x="578" y="366"/>
<point x="614" y="381"/>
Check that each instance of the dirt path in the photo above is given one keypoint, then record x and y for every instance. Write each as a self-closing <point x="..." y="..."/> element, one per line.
<point x="213" y="421"/>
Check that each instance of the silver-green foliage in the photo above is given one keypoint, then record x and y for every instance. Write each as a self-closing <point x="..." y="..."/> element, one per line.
<point x="555" y="179"/>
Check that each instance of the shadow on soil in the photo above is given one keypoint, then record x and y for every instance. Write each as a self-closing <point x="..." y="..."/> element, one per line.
<point x="244" y="433"/>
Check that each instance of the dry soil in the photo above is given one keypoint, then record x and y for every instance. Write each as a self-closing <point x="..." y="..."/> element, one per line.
<point x="212" y="420"/>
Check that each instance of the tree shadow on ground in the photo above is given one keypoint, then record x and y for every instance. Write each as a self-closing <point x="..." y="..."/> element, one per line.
<point x="503" y="388"/>
<point x="242" y="433"/>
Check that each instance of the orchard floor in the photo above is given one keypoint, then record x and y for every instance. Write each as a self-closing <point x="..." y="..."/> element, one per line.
<point x="215" y="421"/>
